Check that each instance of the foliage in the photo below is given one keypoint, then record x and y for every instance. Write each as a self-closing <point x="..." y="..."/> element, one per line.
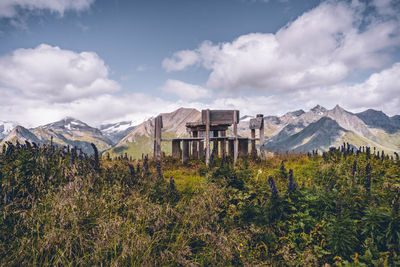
<point x="59" y="206"/>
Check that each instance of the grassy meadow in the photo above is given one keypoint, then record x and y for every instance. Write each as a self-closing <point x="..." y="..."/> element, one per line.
<point x="59" y="206"/>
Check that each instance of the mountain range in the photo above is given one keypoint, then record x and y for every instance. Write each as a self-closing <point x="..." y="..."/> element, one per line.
<point x="300" y="131"/>
<point x="68" y="131"/>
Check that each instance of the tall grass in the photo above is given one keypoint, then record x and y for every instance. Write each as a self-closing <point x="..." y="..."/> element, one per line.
<point x="62" y="207"/>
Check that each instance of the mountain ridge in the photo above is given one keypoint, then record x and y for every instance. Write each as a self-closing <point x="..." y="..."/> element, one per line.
<point x="282" y="133"/>
<point x="72" y="132"/>
<point x="20" y="134"/>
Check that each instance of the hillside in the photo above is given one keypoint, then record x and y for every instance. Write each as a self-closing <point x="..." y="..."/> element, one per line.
<point x="21" y="135"/>
<point x="317" y="135"/>
<point x="73" y="132"/>
<point x="378" y="119"/>
<point x="140" y="140"/>
<point x="290" y="132"/>
<point x="116" y="131"/>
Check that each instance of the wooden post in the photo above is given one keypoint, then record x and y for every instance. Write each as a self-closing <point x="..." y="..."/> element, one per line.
<point x="236" y="142"/>
<point x="207" y="137"/>
<point x="157" y="137"/>
<point x="223" y="144"/>
<point x="253" y="143"/>
<point x="185" y="150"/>
<point x="194" y="145"/>
<point x="262" y="153"/>
<point x="243" y="146"/>
<point x="215" y="143"/>
<point x="176" y="148"/>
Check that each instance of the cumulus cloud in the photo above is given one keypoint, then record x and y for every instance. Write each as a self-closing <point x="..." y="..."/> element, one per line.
<point x="321" y="47"/>
<point x="185" y="91"/>
<point x="54" y="75"/>
<point x="9" y="8"/>
<point x="379" y="91"/>
<point x="303" y="64"/>
<point x="93" y="110"/>
<point x="180" y="60"/>
<point x="47" y="83"/>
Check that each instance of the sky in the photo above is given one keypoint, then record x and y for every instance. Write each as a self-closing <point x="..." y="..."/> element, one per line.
<point x="105" y="61"/>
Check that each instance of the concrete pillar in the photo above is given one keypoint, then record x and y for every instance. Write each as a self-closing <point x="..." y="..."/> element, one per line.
<point x="262" y="153"/>
<point x="176" y="148"/>
<point x="253" y="143"/>
<point x="207" y="137"/>
<point x="215" y="144"/>
<point x="243" y="146"/>
<point x="157" y="138"/>
<point x="185" y="150"/>
<point x="223" y="144"/>
<point x="194" y="145"/>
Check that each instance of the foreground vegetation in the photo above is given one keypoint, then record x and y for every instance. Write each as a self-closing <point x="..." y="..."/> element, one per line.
<point x="61" y="207"/>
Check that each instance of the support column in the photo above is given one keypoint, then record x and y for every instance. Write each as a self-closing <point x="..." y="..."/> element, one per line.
<point x="235" y="134"/>
<point x="253" y="143"/>
<point x="215" y="143"/>
<point x="157" y="138"/>
<point x="223" y="144"/>
<point x="231" y="147"/>
<point x="201" y="145"/>
<point x="207" y="137"/>
<point x="185" y="150"/>
<point x="176" y="148"/>
<point x="243" y="146"/>
<point x="262" y="153"/>
<point x="194" y="145"/>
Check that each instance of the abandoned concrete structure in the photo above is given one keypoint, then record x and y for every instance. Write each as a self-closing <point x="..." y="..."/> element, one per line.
<point x="213" y="129"/>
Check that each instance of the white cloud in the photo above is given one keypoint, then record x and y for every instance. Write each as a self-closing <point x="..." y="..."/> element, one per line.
<point x="180" y="60"/>
<point x="380" y="91"/>
<point x="185" y="91"/>
<point x="54" y="75"/>
<point x="303" y="64"/>
<point x="47" y="83"/>
<point x="322" y="47"/>
<point x="9" y="8"/>
<point x="93" y="110"/>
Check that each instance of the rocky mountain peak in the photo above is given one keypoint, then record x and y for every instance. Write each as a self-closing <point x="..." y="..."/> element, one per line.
<point x="116" y="131"/>
<point x="378" y="119"/>
<point x="338" y="108"/>
<point x="318" y="109"/>
<point x="20" y="129"/>
<point x="6" y="127"/>
<point x="20" y="134"/>
<point x="296" y="113"/>
<point x="373" y="114"/>
<point x="69" y="124"/>
<point x="317" y="135"/>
